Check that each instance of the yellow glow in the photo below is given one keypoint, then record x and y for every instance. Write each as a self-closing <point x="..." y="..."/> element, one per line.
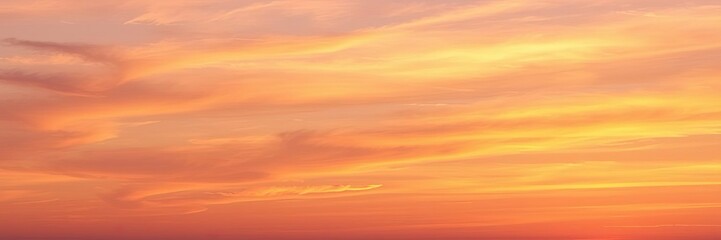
<point x="417" y="119"/>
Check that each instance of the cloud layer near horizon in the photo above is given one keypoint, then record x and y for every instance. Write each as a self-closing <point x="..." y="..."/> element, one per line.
<point x="295" y="119"/>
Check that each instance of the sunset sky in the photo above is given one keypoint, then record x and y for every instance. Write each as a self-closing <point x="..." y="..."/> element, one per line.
<point x="360" y="119"/>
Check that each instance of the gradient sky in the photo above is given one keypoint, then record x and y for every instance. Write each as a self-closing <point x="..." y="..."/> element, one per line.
<point x="341" y="119"/>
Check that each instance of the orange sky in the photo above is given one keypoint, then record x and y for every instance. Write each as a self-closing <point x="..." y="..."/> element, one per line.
<point x="320" y="119"/>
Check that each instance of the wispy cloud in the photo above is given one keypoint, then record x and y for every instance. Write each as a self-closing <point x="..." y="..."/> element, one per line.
<point x="398" y="119"/>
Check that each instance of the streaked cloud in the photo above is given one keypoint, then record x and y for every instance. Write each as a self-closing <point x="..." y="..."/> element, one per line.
<point x="360" y="119"/>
